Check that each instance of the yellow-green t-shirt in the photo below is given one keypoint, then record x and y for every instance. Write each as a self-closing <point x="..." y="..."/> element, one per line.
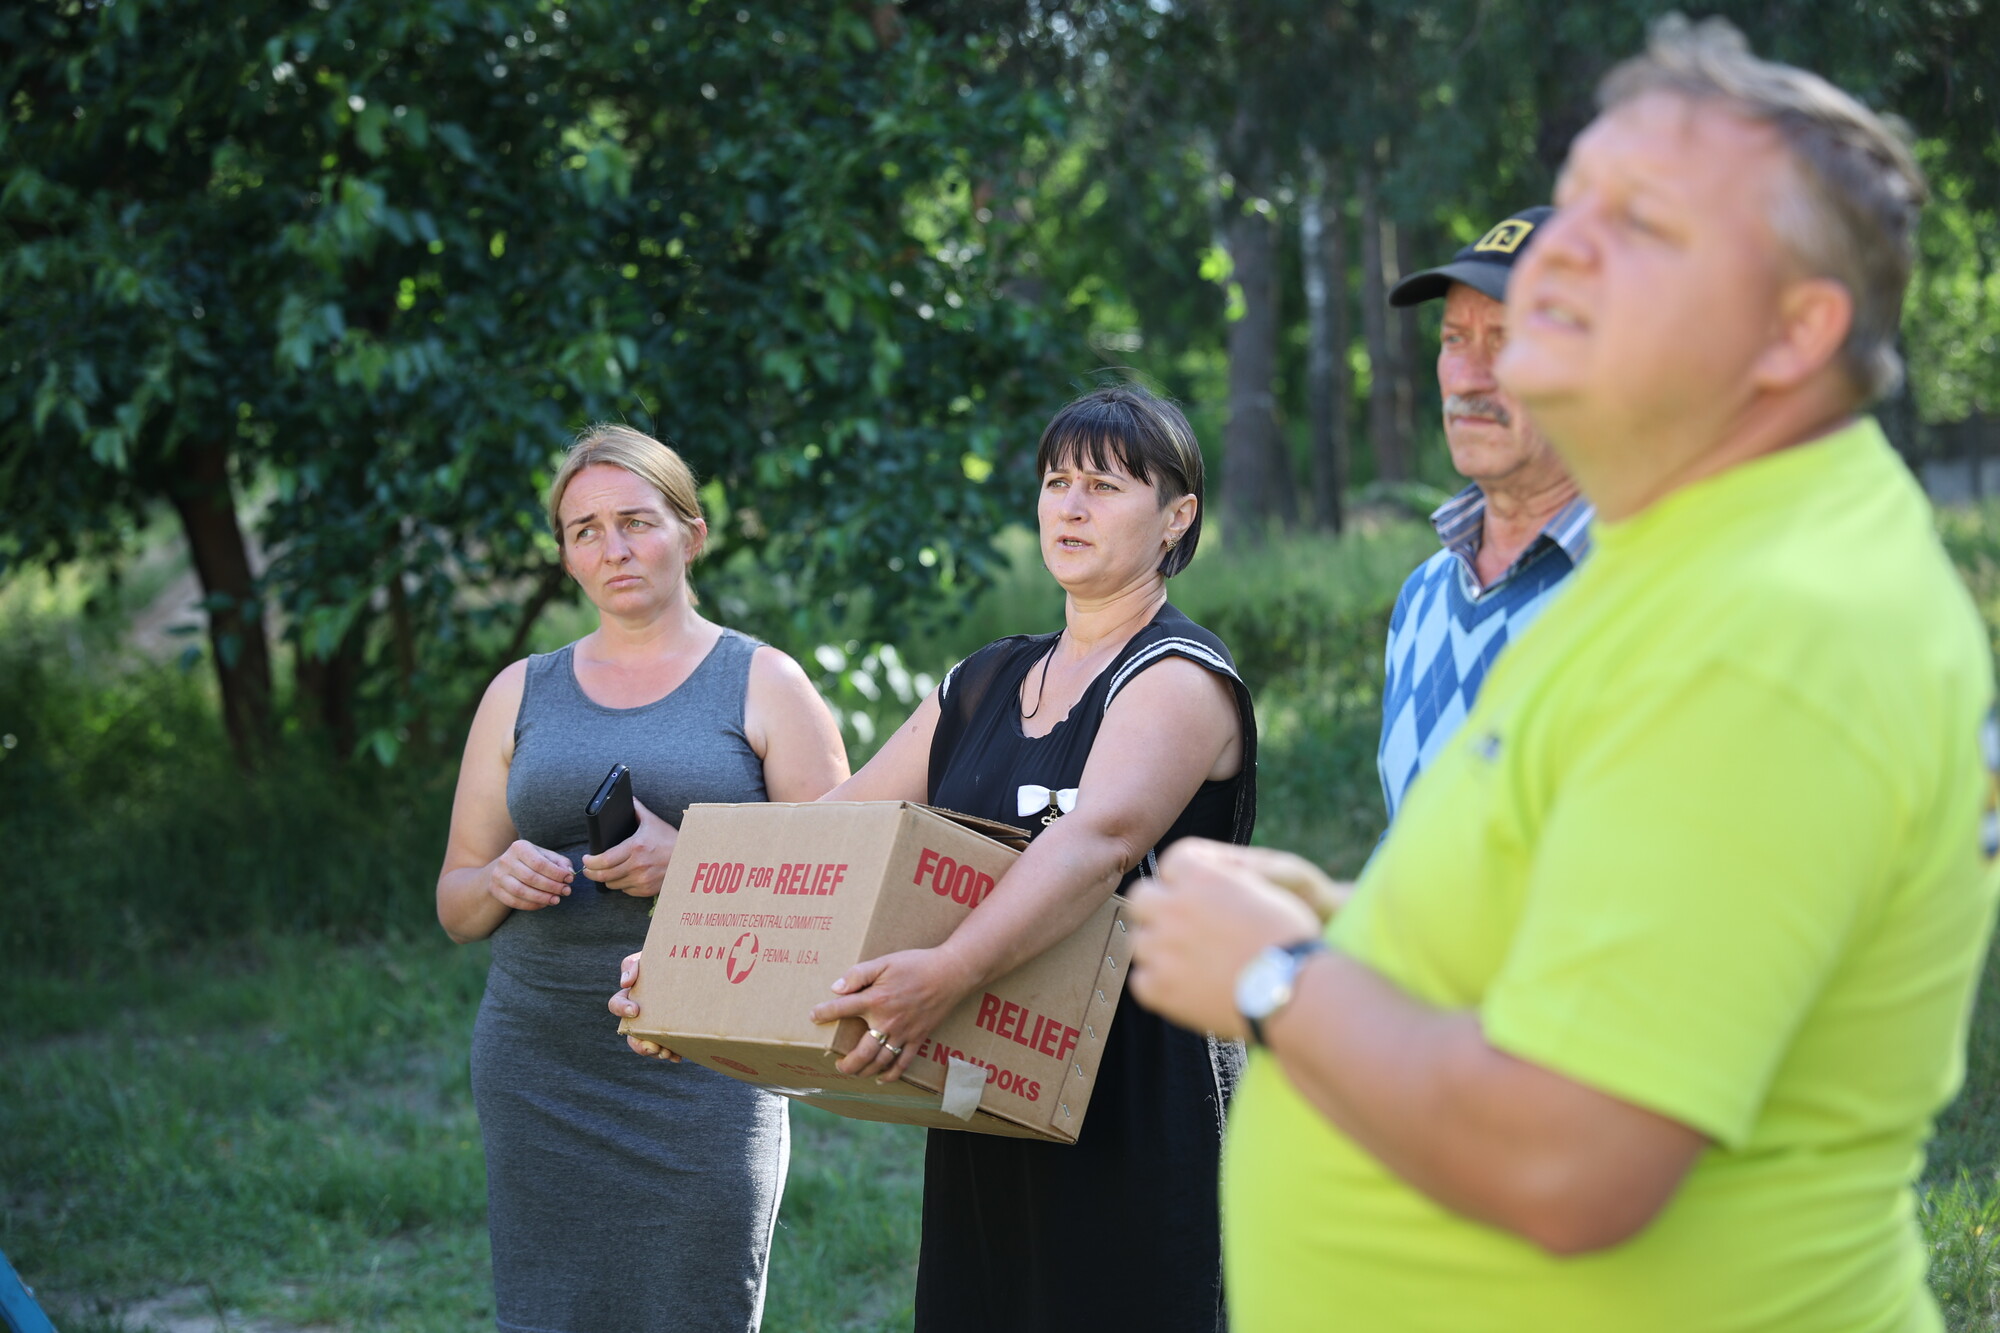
<point x="1710" y="842"/>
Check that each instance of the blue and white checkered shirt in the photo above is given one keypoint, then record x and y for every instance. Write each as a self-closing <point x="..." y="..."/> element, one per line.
<point x="1446" y="630"/>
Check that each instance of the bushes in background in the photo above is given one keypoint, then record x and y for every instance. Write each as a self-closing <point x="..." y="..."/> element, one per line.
<point x="131" y="831"/>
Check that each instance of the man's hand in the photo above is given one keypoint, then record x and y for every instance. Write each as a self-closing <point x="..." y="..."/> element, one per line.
<point x="1209" y="912"/>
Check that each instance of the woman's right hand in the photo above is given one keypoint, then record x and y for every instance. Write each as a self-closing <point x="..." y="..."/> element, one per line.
<point x="624" y="1006"/>
<point x="528" y="878"/>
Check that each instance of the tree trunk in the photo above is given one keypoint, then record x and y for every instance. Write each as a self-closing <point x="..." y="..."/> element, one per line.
<point x="1255" y="481"/>
<point x="1411" y="402"/>
<point x="326" y="686"/>
<point x="402" y="635"/>
<point x="1391" y="458"/>
<point x="1323" y="255"/>
<point x="1251" y="449"/>
<point x="548" y="585"/>
<point x="201" y="495"/>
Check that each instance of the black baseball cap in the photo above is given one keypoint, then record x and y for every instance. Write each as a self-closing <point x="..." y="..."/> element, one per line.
<point x="1482" y="266"/>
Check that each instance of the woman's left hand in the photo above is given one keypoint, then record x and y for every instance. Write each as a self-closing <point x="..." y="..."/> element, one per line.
<point x="638" y="865"/>
<point x="903" y="997"/>
<point x="624" y="1006"/>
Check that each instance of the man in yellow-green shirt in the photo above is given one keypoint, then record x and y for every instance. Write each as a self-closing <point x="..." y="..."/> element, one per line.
<point x="1639" y="1017"/>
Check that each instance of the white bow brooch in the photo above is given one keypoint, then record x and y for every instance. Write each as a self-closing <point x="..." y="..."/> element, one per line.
<point x="1032" y="798"/>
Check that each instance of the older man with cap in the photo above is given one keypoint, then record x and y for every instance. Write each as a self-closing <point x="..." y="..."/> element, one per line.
<point x="1510" y="538"/>
<point x="1640" y="1015"/>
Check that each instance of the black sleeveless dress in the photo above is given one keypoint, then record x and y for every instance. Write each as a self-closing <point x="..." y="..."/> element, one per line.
<point x="1120" y="1230"/>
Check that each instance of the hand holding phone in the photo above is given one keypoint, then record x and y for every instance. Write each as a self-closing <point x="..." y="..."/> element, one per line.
<point x="610" y="817"/>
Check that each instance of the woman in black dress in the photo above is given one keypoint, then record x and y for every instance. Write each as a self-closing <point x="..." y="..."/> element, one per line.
<point x="1105" y="742"/>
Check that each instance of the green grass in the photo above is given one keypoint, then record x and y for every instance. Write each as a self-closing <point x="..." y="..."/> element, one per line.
<point x="1959" y="1201"/>
<point x="284" y="1127"/>
<point x="283" y="1122"/>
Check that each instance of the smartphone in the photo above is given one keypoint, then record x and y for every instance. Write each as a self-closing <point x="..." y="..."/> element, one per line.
<point x="610" y="816"/>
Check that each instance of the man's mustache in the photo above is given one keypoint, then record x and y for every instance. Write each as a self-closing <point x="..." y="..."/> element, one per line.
<point x="1477" y="405"/>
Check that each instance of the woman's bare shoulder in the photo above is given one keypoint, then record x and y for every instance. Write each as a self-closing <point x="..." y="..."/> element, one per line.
<point x="1174" y="681"/>
<point x="508" y="684"/>
<point x="775" y="666"/>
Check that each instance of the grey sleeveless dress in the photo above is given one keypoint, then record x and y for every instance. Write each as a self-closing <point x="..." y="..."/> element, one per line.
<point x="624" y="1195"/>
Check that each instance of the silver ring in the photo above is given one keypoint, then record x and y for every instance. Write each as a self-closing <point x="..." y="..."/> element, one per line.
<point x="893" y="1050"/>
<point x="881" y="1038"/>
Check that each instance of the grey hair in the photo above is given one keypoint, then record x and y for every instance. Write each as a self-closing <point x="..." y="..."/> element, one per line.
<point x="1851" y="214"/>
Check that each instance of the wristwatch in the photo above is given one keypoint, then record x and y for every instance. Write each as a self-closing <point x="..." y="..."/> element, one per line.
<point x="1264" y="986"/>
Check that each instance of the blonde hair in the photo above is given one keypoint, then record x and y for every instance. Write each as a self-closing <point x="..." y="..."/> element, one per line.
<point x="642" y="456"/>
<point x="1851" y="214"/>
<point x="639" y="454"/>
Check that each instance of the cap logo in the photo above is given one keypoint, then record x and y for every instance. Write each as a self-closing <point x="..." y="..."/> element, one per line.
<point x="1506" y="238"/>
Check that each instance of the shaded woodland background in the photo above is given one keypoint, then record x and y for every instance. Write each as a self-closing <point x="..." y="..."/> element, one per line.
<point x="299" y="304"/>
<point x="331" y="284"/>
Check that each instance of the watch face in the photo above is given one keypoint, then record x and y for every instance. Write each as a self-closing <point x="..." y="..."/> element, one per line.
<point x="1265" y="983"/>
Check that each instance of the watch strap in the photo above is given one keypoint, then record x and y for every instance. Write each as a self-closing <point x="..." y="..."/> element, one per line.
<point x="1299" y="950"/>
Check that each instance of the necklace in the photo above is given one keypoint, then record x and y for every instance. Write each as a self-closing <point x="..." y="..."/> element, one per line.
<point x="1042" y="687"/>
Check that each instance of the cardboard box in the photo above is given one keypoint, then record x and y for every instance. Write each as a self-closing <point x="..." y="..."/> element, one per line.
<point x="765" y="905"/>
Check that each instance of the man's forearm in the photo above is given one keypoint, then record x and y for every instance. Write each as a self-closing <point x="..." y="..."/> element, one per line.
<point x="1481" y="1132"/>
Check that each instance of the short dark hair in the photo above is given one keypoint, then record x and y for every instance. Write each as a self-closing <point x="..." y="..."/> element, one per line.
<point x="1145" y="436"/>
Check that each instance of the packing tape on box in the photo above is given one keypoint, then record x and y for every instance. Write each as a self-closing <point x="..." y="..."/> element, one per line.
<point x="963" y="1086"/>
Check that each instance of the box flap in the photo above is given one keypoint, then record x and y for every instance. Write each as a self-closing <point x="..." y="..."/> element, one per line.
<point x="1005" y="834"/>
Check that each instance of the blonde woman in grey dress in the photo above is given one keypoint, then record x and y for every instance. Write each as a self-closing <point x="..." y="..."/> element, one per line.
<point x="686" y="1163"/>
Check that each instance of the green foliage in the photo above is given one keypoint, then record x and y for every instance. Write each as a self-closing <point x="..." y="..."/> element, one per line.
<point x="1303" y="606"/>
<point x="845" y="1254"/>
<point x="121" y="757"/>
<point x="332" y="1171"/>
<point x="381" y="259"/>
<point x="1465" y="110"/>
<point x="1971" y="536"/>
<point x="1952" y="319"/>
<point x="375" y="261"/>
<point x="1961" y="1220"/>
<point x="115" y="783"/>
<point x="1304" y="616"/>
<point x="1307" y="621"/>
<point x="388" y="256"/>
<point x="1969" y="1130"/>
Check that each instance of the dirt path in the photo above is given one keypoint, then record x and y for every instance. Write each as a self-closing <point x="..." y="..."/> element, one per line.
<point x="185" y="1310"/>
